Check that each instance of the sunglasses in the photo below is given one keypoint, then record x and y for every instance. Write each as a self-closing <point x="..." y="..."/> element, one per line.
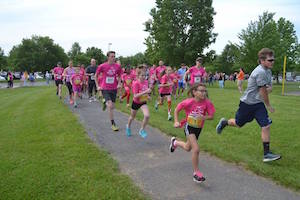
<point x="271" y="60"/>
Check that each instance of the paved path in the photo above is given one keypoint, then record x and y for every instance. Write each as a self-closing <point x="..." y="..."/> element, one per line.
<point x="163" y="175"/>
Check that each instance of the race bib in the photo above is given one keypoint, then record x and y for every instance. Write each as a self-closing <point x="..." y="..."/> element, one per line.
<point x="197" y="79"/>
<point x="110" y="80"/>
<point x="58" y="76"/>
<point x="92" y="77"/>
<point x="128" y="81"/>
<point x="194" y="121"/>
<point x="144" y="98"/>
<point x="77" y="81"/>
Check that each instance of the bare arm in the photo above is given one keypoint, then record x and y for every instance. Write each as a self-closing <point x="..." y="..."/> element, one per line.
<point x="265" y="96"/>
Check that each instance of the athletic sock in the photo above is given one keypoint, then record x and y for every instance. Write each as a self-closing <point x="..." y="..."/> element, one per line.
<point x="266" y="146"/>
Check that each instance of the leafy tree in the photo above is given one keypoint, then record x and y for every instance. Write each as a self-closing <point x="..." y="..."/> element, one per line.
<point x="266" y="32"/>
<point x="179" y="30"/>
<point x="36" y="54"/>
<point x="135" y="60"/>
<point x="3" y="59"/>
<point x="97" y="54"/>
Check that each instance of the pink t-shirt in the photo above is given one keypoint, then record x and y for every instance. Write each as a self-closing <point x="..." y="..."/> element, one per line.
<point x="175" y="77"/>
<point x="58" y="73"/>
<point x="158" y="72"/>
<point x="138" y="87"/>
<point x="110" y="72"/>
<point x="127" y="80"/>
<point x="133" y="74"/>
<point x="82" y="73"/>
<point x="196" y="74"/>
<point x="76" y="80"/>
<point x="164" y="80"/>
<point x="193" y="109"/>
<point x="69" y="73"/>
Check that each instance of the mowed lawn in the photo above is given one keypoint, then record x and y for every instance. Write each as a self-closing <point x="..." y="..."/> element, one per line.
<point x="243" y="146"/>
<point x="46" y="154"/>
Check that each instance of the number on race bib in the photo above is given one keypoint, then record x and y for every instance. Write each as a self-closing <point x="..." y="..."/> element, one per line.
<point x="197" y="79"/>
<point x="144" y="98"/>
<point x="110" y="80"/>
<point x="194" y="121"/>
<point x="92" y="78"/>
<point x="128" y="81"/>
<point x="58" y="76"/>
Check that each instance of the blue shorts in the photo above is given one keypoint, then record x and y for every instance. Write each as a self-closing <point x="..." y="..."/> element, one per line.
<point x="246" y="113"/>
<point x="181" y="84"/>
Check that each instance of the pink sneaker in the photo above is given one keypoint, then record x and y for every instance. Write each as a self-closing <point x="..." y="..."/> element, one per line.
<point x="198" y="177"/>
<point x="172" y="145"/>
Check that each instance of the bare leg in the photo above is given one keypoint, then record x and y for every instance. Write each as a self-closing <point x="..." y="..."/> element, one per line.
<point x="131" y="117"/>
<point x="145" y="111"/>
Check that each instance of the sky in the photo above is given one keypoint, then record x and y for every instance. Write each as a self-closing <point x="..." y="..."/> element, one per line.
<point x="119" y="23"/>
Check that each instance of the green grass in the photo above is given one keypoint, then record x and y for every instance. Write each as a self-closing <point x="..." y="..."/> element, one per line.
<point x="243" y="146"/>
<point x="46" y="154"/>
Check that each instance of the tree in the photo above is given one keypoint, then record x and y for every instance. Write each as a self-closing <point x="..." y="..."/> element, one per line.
<point x="266" y="32"/>
<point x="179" y="30"/>
<point x="135" y="60"/>
<point x="97" y="54"/>
<point x="36" y="54"/>
<point x="228" y="61"/>
<point x="3" y="59"/>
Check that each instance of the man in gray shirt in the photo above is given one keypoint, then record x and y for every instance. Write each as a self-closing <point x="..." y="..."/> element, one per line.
<point x="254" y="101"/>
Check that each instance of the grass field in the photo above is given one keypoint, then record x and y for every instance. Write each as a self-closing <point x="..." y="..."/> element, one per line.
<point x="46" y="154"/>
<point x="243" y="146"/>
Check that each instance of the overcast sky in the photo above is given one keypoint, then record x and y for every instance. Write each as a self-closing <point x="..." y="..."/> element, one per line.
<point x="120" y="22"/>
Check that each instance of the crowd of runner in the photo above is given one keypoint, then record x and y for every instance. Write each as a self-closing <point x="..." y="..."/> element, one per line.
<point x="109" y="81"/>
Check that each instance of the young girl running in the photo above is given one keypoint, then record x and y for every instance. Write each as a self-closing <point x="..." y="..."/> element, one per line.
<point x="141" y="93"/>
<point x="175" y="77"/>
<point x="76" y="81"/>
<point x="165" y="90"/>
<point x="68" y="72"/>
<point x="197" y="110"/>
<point x="127" y="79"/>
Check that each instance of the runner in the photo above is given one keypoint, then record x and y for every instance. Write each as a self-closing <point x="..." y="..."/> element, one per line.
<point x="240" y="78"/>
<point x="76" y="81"/>
<point x="196" y="72"/>
<point x="181" y="81"/>
<point x="141" y="93"/>
<point x="68" y="72"/>
<point x="158" y="73"/>
<point x="253" y="102"/>
<point x="165" y="90"/>
<point x="197" y="110"/>
<point x="58" y="77"/>
<point x="110" y="82"/>
<point x="127" y="79"/>
<point x="90" y="72"/>
<point x="175" y="77"/>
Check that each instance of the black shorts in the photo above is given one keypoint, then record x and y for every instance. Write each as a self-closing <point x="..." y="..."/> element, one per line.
<point x="58" y="81"/>
<point x="136" y="106"/>
<point x="246" y="113"/>
<point x="109" y="95"/>
<point x="162" y="95"/>
<point x="188" y="130"/>
<point x="70" y="88"/>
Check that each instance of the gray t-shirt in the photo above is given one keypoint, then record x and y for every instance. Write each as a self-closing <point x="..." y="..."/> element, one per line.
<point x="259" y="77"/>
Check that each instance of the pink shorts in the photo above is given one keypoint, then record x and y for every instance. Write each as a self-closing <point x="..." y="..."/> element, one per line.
<point x="77" y="89"/>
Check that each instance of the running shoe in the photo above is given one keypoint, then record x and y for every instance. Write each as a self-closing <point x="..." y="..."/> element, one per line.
<point x="156" y="106"/>
<point x="221" y="125"/>
<point x="271" y="157"/>
<point x="103" y="105"/>
<point x="198" y="177"/>
<point x="169" y="117"/>
<point x="172" y="145"/>
<point x="114" y="127"/>
<point x="143" y="133"/>
<point x="90" y="99"/>
<point x="128" y="131"/>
